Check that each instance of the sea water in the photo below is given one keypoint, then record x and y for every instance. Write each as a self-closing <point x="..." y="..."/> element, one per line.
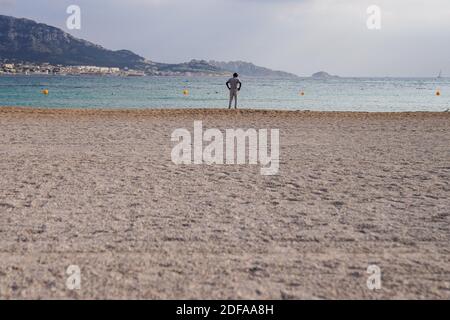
<point x="339" y="94"/>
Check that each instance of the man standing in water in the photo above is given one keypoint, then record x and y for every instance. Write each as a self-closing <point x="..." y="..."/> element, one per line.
<point x="234" y="85"/>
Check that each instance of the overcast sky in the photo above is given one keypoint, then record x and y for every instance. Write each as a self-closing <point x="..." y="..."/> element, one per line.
<point x="300" y="36"/>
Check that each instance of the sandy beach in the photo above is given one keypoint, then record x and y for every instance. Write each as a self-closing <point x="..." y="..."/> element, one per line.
<point x="98" y="189"/>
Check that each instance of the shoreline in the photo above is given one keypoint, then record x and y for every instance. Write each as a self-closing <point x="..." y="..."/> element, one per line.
<point x="215" y="111"/>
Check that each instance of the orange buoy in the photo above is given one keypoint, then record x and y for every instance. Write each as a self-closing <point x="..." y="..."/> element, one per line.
<point x="438" y="92"/>
<point x="45" y="91"/>
<point x="186" y="92"/>
<point x="302" y="93"/>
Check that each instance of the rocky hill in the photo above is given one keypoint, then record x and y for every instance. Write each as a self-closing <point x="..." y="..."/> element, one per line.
<point x="321" y="75"/>
<point x="249" y="69"/>
<point x="24" y="40"/>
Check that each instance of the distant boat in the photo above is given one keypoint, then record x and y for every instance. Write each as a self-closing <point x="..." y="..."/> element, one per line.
<point x="440" y="75"/>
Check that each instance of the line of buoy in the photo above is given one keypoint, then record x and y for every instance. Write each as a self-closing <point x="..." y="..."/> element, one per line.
<point x="186" y="92"/>
<point x="438" y="92"/>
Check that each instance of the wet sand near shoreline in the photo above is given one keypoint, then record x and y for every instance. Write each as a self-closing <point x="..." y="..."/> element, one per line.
<point x="98" y="189"/>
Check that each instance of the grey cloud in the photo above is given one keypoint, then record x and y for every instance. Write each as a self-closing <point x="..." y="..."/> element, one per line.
<point x="302" y="36"/>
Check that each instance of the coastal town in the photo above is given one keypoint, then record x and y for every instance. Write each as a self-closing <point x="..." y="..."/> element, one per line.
<point x="193" y="68"/>
<point x="48" y="69"/>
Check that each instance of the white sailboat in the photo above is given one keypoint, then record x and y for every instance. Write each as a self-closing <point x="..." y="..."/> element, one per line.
<point x="440" y="74"/>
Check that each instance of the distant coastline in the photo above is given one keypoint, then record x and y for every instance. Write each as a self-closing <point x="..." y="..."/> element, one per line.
<point x="30" y="69"/>
<point x="31" y="47"/>
<point x="48" y="69"/>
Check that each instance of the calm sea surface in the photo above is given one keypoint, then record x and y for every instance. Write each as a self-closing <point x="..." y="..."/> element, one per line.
<point x="344" y="94"/>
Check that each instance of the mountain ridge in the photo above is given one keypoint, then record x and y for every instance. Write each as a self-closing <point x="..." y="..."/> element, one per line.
<point x="40" y="43"/>
<point x="250" y="69"/>
<point x="25" y="40"/>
